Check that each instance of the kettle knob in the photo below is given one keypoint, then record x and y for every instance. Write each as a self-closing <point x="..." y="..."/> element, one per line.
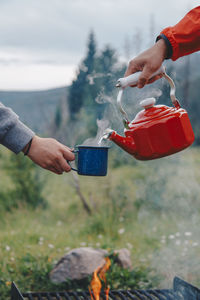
<point x="148" y="103"/>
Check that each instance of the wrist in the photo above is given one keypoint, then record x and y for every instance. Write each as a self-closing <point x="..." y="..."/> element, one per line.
<point x="165" y="46"/>
<point x="34" y="146"/>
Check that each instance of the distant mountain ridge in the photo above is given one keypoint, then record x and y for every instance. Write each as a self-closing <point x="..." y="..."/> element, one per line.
<point x="35" y="108"/>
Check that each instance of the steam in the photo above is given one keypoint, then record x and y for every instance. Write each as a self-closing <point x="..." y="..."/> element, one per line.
<point x="102" y="98"/>
<point x="154" y="92"/>
<point x="93" y="76"/>
<point x="102" y="125"/>
<point x="173" y="191"/>
<point x="138" y="95"/>
<point x="112" y="117"/>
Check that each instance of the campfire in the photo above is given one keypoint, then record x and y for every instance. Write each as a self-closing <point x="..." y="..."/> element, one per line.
<point x="181" y="291"/>
<point x="98" y="276"/>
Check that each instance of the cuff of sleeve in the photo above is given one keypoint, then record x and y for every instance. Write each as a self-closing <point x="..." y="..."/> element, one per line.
<point x="169" y="34"/>
<point x="18" y="137"/>
<point x="168" y="45"/>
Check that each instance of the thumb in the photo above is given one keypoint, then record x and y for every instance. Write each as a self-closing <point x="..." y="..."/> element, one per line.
<point x="144" y="77"/>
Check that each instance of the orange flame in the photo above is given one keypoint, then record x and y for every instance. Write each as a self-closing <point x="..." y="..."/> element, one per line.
<point x="95" y="285"/>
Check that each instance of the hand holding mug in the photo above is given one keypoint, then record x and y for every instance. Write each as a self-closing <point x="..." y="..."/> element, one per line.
<point x="49" y="154"/>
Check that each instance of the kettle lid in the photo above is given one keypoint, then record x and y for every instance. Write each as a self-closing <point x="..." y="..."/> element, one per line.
<point x="148" y="103"/>
<point x="151" y="110"/>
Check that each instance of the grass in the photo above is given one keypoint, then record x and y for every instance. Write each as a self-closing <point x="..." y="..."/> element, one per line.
<point x="151" y="208"/>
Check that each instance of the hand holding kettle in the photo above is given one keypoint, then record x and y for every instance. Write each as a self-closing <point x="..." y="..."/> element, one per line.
<point x="148" y="62"/>
<point x="172" y="43"/>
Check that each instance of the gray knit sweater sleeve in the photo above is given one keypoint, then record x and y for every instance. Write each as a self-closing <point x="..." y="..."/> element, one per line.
<point x="13" y="133"/>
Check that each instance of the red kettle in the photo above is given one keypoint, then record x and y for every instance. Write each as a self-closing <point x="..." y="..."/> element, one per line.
<point x="157" y="130"/>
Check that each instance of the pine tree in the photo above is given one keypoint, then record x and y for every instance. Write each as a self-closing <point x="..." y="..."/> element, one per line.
<point x="89" y="61"/>
<point x="58" y="117"/>
<point x="107" y="61"/>
<point x="80" y="91"/>
<point x="97" y="75"/>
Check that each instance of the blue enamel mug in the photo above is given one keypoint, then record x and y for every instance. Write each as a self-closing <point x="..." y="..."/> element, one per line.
<point x="91" y="161"/>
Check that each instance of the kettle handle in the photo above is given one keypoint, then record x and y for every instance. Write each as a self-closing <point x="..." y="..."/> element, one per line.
<point x="175" y="101"/>
<point x="132" y="79"/>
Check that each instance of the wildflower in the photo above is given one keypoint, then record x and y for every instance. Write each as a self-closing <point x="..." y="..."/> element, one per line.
<point x="100" y="236"/>
<point x="121" y="230"/>
<point x="177" y="234"/>
<point x="194" y="244"/>
<point x="121" y="219"/>
<point x="83" y="244"/>
<point x="40" y="242"/>
<point x="98" y="244"/>
<point x="171" y="236"/>
<point x="143" y="260"/>
<point x="8" y="283"/>
<point x="67" y="248"/>
<point x="163" y="239"/>
<point x="55" y="261"/>
<point x="7" y="248"/>
<point x="130" y="246"/>
<point x="178" y="242"/>
<point x="187" y="233"/>
<point x="59" y="223"/>
<point x="51" y="246"/>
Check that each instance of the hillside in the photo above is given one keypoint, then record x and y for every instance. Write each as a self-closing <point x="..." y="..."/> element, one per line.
<point x="35" y="108"/>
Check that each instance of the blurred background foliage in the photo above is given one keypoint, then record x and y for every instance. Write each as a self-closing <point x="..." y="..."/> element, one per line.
<point x="151" y="208"/>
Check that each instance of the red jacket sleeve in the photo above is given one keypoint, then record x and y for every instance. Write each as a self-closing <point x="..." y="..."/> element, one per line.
<point x="184" y="37"/>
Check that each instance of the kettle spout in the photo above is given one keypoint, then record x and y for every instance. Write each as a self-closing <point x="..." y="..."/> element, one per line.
<point x="126" y="143"/>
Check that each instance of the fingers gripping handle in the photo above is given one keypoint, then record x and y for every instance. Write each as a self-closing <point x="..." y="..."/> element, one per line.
<point x="68" y="161"/>
<point x="133" y="78"/>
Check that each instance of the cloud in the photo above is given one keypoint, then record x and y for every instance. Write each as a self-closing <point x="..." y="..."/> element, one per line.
<point x="63" y="25"/>
<point x="34" y="76"/>
<point x="55" y="32"/>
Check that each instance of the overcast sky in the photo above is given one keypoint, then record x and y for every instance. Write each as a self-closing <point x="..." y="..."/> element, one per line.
<point x="43" y="41"/>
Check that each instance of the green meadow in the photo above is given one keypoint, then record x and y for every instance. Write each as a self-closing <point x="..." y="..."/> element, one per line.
<point x="151" y="208"/>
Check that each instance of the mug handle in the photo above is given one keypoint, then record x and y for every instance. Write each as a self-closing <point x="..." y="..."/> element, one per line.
<point x="68" y="161"/>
